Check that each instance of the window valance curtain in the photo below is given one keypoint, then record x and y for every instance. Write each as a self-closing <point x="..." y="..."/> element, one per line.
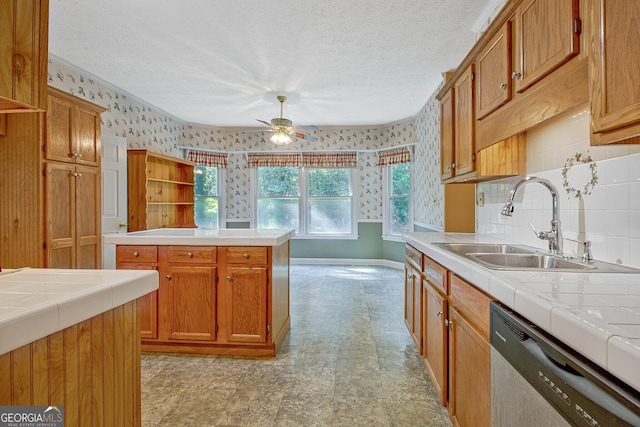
<point x="202" y="158"/>
<point x="394" y="157"/>
<point x="308" y="160"/>
<point x="273" y="159"/>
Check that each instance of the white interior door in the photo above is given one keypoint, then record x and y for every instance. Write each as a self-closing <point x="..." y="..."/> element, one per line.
<point x="114" y="193"/>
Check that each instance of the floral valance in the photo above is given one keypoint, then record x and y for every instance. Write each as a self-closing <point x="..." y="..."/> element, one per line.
<point x="202" y="158"/>
<point x="308" y="160"/>
<point x="394" y="157"/>
<point x="273" y="159"/>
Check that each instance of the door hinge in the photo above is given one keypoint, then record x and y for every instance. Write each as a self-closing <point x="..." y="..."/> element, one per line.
<point x="577" y="26"/>
<point x="44" y="245"/>
<point x="268" y="328"/>
<point x="216" y="329"/>
<point x="473" y="76"/>
<point x="44" y="148"/>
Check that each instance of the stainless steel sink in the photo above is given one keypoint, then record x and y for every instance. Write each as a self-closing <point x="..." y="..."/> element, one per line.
<point x="527" y="262"/>
<point x="521" y="257"/>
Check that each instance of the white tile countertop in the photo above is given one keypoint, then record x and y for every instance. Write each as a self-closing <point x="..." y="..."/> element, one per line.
<point x="202" y="237"/>
<point x="36" y="302"/>
<point x="596" y="314"/>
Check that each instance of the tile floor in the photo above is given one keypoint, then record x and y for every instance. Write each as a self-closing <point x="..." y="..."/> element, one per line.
<point x="348" y="361"/>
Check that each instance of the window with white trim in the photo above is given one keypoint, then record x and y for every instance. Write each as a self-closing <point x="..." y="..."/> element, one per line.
<point x="208" y="175"/>
<point x="397" y="212"/>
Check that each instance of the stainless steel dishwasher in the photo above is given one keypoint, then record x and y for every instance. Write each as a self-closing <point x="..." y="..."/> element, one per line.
<point x="538" y="381"/>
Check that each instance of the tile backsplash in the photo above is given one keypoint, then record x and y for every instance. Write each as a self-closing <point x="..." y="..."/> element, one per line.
<point x="609" y="217"/>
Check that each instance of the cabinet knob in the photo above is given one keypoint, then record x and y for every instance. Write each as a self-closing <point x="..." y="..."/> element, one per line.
<point x="245" y="256"/>
<point x="168" y="276"/>
<point x="516" y="75"/>
<point x="453" y="165"/>
<point x="190" y="255"/>
<point x="439" y="314"/>
<point x="77" y="174"/>
<point x="228" y="278"/>
<point x="447" y="322"/>
<point x="122" y="225"/>
<point x="502" y="85"/>
<point x="136" y="254"/>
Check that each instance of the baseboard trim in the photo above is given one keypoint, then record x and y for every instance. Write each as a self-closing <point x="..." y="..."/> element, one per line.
<point x="348" y="261"/>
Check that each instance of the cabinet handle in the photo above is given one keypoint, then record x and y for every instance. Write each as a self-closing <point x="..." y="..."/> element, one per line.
<point x="228" y="278"/>
<point x="136" y="254"/>
<point x="168" y="276"/>
<point x="190" y="255"/>
<point x="77" y="174"/>
<point x="502" y="85"/>
<point x="245" y="256"/>
<point x="453" y="165"/>
<point x="516" y="75"/>
<point x="447" y="322"/>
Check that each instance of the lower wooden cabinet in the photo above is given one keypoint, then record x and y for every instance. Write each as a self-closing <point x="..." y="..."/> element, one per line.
<point x="455" y="341"/>
<point x="413" y="303"/>
<point x="213" y="300"/>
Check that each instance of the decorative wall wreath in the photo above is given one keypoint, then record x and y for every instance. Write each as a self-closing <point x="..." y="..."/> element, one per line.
<point x="585" y="190"/>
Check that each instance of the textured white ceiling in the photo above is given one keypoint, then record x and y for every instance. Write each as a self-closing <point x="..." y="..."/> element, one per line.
<point x="222" y="62"/>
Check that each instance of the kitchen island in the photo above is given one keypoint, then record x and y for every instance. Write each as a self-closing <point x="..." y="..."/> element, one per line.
<point x="220" y="292"/>
<point x="70" y="338"/>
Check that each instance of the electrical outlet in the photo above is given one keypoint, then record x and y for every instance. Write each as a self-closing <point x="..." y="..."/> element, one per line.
<point x="480" y="199"/>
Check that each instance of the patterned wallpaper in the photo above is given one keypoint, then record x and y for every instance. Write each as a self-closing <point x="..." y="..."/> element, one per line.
<point x="146" y="127"/>
<point x="428" y="193"/>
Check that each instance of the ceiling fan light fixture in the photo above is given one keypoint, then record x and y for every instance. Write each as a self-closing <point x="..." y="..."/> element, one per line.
<point x="280" y="138"/>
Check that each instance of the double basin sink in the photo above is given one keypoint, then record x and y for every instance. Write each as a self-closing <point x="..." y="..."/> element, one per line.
<point x="520" y="257"/>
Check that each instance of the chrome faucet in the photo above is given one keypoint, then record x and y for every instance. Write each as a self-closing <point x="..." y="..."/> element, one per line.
<point x="554" y="236"/>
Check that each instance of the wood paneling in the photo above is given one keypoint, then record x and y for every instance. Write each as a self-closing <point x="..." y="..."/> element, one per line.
<point x="92" y="369"/>
<point x="507" y="157"/>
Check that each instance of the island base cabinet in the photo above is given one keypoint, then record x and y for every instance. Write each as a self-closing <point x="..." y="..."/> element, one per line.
<point x="246" y="308"/>
<point x="91" y="368"/>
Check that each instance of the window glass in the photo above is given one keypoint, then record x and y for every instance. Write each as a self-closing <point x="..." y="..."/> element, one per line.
<point x="278" y="198"/>
<point x="206" y="196"/>
<point x="399" y="220"/>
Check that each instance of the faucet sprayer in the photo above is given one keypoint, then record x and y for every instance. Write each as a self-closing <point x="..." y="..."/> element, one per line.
<point x="554" y="236"/>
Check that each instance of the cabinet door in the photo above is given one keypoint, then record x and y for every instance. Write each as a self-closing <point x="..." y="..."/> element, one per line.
<point x="615" y="60"/>
<point x="547" y="37"/>
<point x="447" y="122"/>
<point x="87" y="136"/>
<point x="464" y="127"/>
<point x="413" y="303"/>
<point x="60" y="222"/>
<point x="87" y="217"/>
<point x="435" y="332"/>
<point x="493" y="71"/>
<point x="60" y="132"/>
<point x="470" y="374"/>
<point x="246" y="290"/>
<point x="23" y="63"/>
<point x="148" y="302"/>
<point x="191" y="302"/>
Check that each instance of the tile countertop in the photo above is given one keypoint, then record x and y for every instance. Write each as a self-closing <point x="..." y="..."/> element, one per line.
<point x="200" y="236"/>
<point x="36" y="302"/>
<point x="597" y="314"/>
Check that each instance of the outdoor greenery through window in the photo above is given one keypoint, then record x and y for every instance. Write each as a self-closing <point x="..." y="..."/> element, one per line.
<point x="399" y="189"/>
<point x="206" y="196"/>
<point x="312" y="201"/>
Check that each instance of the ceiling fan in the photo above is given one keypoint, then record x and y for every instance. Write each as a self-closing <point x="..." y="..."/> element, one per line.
<point x="284" y="128"/>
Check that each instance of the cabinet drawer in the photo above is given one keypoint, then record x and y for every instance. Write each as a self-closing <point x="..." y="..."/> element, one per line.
<point x="414" y="256"/>
<point x="246" y="255"/>
<point x="136" y="253"/>
<point x="192" y="254"/>
<point x="436" y="275"/>
<point x="472" y="303"/>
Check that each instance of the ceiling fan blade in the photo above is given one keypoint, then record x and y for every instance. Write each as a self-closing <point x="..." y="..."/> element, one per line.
<point x="266" y="123"/>
<point x="309" y="138"/>
<point x="307" y="127"/>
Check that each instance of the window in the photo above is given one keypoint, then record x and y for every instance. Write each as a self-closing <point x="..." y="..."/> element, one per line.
<point x="207" y="196"/>
<point x="398" y="211"/>
<point x="312" y="201"/>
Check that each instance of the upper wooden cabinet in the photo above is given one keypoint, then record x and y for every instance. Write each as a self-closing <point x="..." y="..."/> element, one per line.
<point x="493" y="71"/>
<point x="73" y="130"/>
<point x="160" y="191"/>
<point x="614" y="62"/>
<point x="464" y="124"/>
<point x="24" y="29"/>
<point x="547" y="35"/>
<point x="447" y="122"/>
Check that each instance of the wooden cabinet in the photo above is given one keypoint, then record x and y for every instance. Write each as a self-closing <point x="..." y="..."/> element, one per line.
<point x="464" y="124"/>
<point x="547" y="36"/>
<point x="143" y="258"/>
<point x="24" y="30"/>
<point x="447" y="122"/>
<point x="413" y="295"/>
<point x="160" y="191"/>
<point x="73" y="216"/>
<point x="231" y="300"/>
<point x="493" y="71"/>
<point x="73" y="131"/>
<point x="614" y="61"/>
<point x="455" y="336"/>
<point x="72" y="182"/>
